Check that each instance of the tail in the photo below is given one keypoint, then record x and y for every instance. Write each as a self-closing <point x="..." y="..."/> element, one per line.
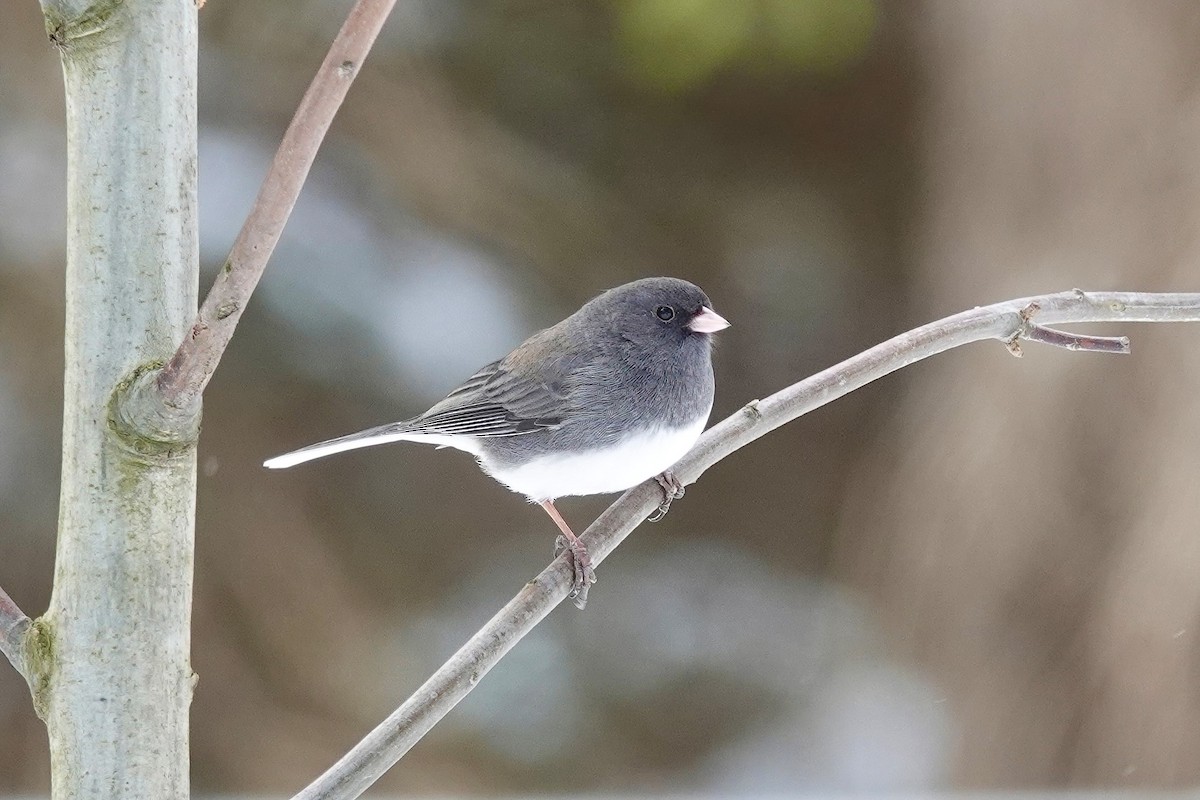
<point x="392" y="432"/>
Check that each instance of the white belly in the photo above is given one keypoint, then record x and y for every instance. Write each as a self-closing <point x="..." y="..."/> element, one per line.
<point x="638" y="458"/>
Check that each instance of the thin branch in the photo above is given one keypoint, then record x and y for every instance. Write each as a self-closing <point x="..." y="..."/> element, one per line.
<point x="1065" y="339"/>
<point x="1078" y="341"/>
<point x="13" y="627"/>
<point x="182" y="381"/>
<point x="1008" y="322"/>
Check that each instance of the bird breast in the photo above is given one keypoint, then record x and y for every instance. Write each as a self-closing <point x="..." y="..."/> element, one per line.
<point x="634" y="458"/>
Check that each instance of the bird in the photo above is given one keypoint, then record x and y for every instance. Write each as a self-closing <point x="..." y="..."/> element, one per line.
<point x="609" y="397"/>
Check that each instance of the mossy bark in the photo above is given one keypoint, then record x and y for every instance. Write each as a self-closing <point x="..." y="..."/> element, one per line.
<point x="113" y="676"/>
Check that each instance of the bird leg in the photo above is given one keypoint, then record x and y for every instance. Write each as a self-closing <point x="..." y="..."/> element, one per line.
<point x="672" y="490"/>
<point x="581" y="561"/>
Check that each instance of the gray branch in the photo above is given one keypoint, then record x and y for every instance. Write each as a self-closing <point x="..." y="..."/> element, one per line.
<point x="13" y="627"/>
<point x="170" y="399"/>
<point x="1008" y="322"/>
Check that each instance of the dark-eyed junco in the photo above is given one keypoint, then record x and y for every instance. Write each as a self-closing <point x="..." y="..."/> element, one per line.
<point x="611" y="396"/>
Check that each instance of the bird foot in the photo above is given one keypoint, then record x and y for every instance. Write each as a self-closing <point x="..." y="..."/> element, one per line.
<point x="672" y="491"/>
<point x="581" y="565"/>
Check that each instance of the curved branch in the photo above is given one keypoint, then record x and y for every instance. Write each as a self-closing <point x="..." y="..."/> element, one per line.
<point x="174" y="401"/>
<point x="1008" y="322"/>
<point x="14" y="625"/>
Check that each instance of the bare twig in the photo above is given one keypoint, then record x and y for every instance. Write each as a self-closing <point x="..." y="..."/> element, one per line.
<point x="1008" y="322"/>
<point x="13" y="627"/>
<point x="1078" y="341"/>
<point x="182" y="381"/>
<point x="1065" y="339"/>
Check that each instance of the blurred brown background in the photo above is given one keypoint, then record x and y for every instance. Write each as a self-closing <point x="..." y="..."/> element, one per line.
<point x="979" y="573"/>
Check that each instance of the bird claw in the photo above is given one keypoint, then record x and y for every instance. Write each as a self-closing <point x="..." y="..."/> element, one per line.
<point x="672" y="491"/>
<point x="581" y="566"/>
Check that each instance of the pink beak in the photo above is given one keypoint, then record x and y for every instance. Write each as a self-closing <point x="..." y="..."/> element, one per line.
<point x="708" y="321"/>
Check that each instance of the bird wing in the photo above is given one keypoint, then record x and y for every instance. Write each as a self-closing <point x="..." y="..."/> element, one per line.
<point x="495" y="401"/>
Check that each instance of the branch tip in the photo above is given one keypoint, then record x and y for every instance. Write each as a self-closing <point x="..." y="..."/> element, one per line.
<point x="1070" y="341"/>
<point x="1077" y="341"/>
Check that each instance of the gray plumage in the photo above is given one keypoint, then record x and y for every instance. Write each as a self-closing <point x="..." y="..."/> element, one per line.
<point x="613" y="369"/>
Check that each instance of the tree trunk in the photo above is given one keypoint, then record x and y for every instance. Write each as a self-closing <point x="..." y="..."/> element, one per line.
<point x="111" y="656"/>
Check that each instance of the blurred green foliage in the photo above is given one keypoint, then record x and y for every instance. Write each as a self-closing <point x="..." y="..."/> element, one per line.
<point x="676" y="45"/>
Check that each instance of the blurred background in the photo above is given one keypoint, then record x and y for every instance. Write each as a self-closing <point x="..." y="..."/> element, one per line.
<point x="980" y="573"/>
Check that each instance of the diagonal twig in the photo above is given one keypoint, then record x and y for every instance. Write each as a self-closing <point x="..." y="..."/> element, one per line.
<point x="181" y="382"/>
<point x="13" y="627"/>
<point x="1007" y="322"/>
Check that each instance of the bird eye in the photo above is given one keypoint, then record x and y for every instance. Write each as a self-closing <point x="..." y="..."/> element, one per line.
<point x="665" y="313"/>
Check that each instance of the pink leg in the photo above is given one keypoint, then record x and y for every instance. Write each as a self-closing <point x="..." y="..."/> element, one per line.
<point x="581" y="561"/>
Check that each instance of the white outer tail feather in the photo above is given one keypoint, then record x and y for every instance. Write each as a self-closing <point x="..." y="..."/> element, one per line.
<point x="329" y="448"/>
<point x="355" y="441"/>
